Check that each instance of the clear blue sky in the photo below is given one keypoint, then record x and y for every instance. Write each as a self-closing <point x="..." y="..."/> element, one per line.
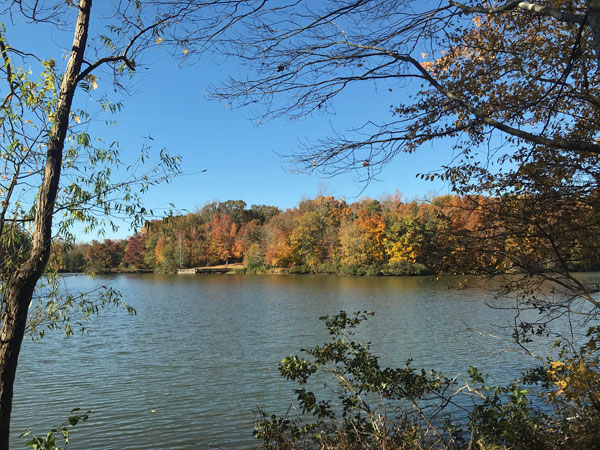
<point x="240" y="155"/>
<point x="168" y="102"/>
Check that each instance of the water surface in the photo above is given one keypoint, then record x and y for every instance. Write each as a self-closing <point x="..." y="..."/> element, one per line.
<point x="190" y="369"/>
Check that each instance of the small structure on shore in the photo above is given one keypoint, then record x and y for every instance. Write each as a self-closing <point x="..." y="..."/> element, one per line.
<point x="200" y="270"/>
<point x="210" y="270"/>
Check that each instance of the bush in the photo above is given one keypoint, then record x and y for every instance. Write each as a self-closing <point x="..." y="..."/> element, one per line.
<point x="351" y="270"/>
<point x="371" y="408"/>
<point x="255" y="269"/>
<point x="328" y="268"/>
<point x="405" y="268"/>
<point x="299" y="270"/>
<point x="375" y="270"/>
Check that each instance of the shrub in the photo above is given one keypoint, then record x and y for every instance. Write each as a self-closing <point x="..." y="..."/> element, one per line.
<point x="406" y="407"/>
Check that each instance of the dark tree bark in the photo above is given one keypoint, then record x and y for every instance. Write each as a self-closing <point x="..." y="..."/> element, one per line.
<point x="18" y="293"/>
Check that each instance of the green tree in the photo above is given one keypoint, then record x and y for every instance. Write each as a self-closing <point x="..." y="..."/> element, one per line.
<point x="254" y="257"/>
<point x="74" y="258"/>
<point x="314" y="239"/>
<point x="166" y="255"/>
<point x="102" y="257"/>
<point x="53" y="172"/>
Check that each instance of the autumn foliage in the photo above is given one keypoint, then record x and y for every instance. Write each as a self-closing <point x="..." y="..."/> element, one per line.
<point x="447" y="235"/>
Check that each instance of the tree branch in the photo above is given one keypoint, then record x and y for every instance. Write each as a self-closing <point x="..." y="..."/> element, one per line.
<point x="524" y="6"/>
<point x="9" y="74"/>
<point x="556" y="143"/>
<point x="123" y="56"/>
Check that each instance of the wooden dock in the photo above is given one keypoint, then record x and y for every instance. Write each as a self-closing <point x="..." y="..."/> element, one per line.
<point x="209" y="270"/>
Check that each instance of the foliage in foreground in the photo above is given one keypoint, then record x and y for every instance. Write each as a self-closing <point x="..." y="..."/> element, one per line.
<point x="409" y="408"/>
<point x="58" y="437"/>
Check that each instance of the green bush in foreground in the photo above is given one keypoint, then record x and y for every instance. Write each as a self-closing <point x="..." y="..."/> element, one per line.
<point x="407" y="408"/>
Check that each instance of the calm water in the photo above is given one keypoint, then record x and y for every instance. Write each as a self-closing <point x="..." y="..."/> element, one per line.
<point x="190" y="369"/>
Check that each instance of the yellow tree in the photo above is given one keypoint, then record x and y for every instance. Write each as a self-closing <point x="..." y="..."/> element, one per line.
<point x="363" y="237"/>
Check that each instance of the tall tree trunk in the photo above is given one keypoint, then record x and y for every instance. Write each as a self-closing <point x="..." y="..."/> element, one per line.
<point x="593" y="20"/>
<point x="18" y="293"/>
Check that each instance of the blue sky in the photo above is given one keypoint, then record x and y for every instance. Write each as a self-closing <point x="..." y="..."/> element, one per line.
<point x="241" y="155"/>
<point x="168" y="101"/>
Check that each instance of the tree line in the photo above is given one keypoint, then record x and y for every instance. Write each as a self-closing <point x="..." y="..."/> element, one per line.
<point x="449" y="234"/>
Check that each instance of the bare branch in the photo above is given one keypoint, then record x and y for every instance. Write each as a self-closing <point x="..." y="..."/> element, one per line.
<point x="523" y="6"/>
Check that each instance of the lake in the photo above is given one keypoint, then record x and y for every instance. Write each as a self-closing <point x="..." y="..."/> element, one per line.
<point x="190" y="369"/>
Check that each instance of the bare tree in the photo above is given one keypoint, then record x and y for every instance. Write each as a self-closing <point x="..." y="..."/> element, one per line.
<point x="474" y="63"/>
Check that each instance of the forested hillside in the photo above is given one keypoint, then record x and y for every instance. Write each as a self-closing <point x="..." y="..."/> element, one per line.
<point x="449" y="234"/>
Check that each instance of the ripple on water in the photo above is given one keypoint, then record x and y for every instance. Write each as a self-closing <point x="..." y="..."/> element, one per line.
<point x="190" y="369"/>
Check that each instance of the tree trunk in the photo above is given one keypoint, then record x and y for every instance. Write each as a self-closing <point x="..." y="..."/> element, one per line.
<point x="19" y="291"/>
<point x="593" y="20"/>
<point x="13" y="327"/>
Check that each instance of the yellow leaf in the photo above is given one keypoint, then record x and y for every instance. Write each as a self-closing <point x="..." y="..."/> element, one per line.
<point x="557" y="364"/>
<point x="77" y="119"/>
<point x="185" y="51"/>
<point x="562" y="385"/>
<point x="158" y="40"/>
<point x="93" y="81"/>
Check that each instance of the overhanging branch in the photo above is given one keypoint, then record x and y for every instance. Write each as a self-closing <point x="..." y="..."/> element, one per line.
<point x="523" y="6"/>
<point x="556" y="143"/>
